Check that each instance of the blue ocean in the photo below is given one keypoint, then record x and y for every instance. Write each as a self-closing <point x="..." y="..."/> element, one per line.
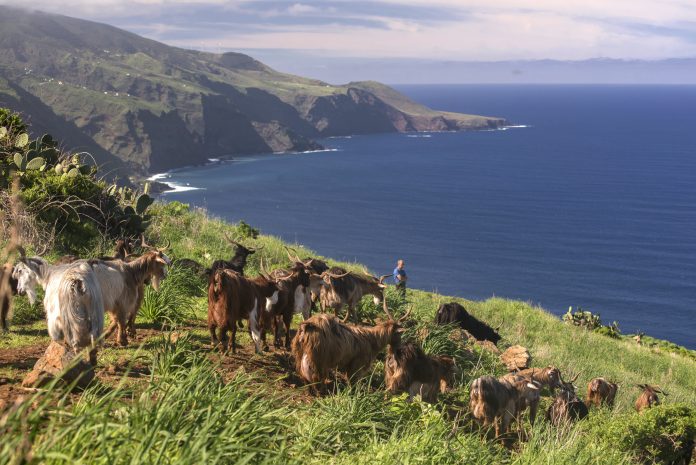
<point x="589" y="201"/>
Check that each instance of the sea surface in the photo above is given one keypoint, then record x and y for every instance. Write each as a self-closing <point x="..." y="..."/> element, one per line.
<point x="591" y="203"/>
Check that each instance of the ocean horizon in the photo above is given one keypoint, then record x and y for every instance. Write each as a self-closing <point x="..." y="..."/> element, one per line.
<point x="588" y="200"/>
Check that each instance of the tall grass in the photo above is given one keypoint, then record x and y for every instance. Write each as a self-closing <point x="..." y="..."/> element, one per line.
<point x="175" y="302"/>
<point x="185" y="415"/>
<point x="191" y="410"/>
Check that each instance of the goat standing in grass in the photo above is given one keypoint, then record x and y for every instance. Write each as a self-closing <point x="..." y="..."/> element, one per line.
<point x="496" y="402"/>
<point x="123" y="288"/>
<point x="293" y="297"/>
<point x="566" y="406"/>
<point x="323" y="343"/>
<point x="237" y="262"/>
<point x="549" y="376"/>
<point x="345" y="288"/>
<point x="75" y="309"/>
<point x="72" y="300"/>
<point x="231" y="298"/>
<point x="408" y="369"/>
<point x="648" y="398"/>
<point x="121" y="284"/>
<point x="600" y="391"/>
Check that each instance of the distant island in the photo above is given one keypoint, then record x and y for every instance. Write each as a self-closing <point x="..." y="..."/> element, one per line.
<point x="141" y="107"/>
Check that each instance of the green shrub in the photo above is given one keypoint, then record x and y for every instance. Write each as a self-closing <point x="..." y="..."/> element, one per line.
<point x="62" y="192"/>
<point x="661" y="434"/>
<point x="23" y="312"/>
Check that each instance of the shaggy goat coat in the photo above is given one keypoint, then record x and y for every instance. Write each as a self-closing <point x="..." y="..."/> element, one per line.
<point x="600" y="391"/>
<point x="74" y="308"/>
<point x="498" y="401"/>
<point x="231" y="298"/>
<point x="408" y="369"/>
<point x="648" y="397"/>
<point x="123" y="287"/>
<point x="323" y="343"/>
<point x="549" y="376"/>
<point x="455" y="313"/>
<point x="566" y="406"/>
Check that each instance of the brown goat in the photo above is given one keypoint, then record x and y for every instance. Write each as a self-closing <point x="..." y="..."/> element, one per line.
<point x="529" y="395"/>
<point x="293" y="288"/>
<point x="549" y="376"/>
<point x="497" y="402"/>
<point x="648" y="397"/>
<point x="348" y="288"/>
<point x="409" y="369"/>
<point x="566" y="405"/>
<point x="600" y="391"/>
<point x="323" y="343"/>
<point x="233" y="297"/>
<point x="8" y="288"/>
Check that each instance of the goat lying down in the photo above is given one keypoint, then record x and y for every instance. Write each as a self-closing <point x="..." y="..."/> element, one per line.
<point x="409" y="369"/>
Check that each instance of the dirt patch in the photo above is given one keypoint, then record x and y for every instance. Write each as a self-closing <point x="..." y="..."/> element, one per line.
<point x="277" y="366"/>
<point x="22" y="358"/>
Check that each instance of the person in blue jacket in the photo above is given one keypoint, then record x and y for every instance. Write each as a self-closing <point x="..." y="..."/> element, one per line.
<point x="400" y="277"/>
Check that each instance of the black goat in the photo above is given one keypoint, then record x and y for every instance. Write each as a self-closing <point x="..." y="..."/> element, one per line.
<point x="455" y="313"/>
<point x="237" y="262"/>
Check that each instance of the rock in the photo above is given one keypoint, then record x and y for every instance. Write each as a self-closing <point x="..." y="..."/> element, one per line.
<point x="516" y="358"/>
<point x="489" y="346"/>
<point x="58" y="362"/>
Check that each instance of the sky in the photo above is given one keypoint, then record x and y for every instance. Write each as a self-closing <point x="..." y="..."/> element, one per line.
<point x="299" y="33"/>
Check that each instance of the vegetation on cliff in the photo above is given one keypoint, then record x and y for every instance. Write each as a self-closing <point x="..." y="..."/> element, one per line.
<point x="168" y="398"/>
<point x="157" y="107"/>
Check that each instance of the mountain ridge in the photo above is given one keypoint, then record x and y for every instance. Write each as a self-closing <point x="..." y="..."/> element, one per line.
<point x="144" y="107"/>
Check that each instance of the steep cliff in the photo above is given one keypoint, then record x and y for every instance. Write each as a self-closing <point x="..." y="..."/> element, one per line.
<point x="143" y="106"/>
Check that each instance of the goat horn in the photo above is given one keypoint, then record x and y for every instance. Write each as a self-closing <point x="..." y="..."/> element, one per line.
<point x="405" y="316"/>
<point x="232" y="241"/>
<point x="143" y="243"/>
<point x="296" y="258"/>
<point x="337" y="276"/>
<point x="287" y="251"/>
<point x="383" y="277"/>
<point x="386" y="310"/>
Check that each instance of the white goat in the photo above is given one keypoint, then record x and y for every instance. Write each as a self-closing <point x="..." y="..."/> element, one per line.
<point x="122" y="284"/>
<point x="72" y="300"/>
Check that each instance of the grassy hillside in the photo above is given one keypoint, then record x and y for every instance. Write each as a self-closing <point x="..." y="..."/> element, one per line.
<point x="168" y="399"/>
<point x="157" y="107"/>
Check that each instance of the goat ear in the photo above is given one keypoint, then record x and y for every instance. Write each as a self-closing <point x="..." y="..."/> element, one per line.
<point x="532" y="386"/>
<point x="161" y="260"/>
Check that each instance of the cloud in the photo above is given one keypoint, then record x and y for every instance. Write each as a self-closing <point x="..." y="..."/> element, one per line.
<point x="440" y="29"/>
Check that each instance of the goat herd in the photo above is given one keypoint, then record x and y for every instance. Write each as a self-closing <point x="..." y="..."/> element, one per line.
<point x="79" y="291"/>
